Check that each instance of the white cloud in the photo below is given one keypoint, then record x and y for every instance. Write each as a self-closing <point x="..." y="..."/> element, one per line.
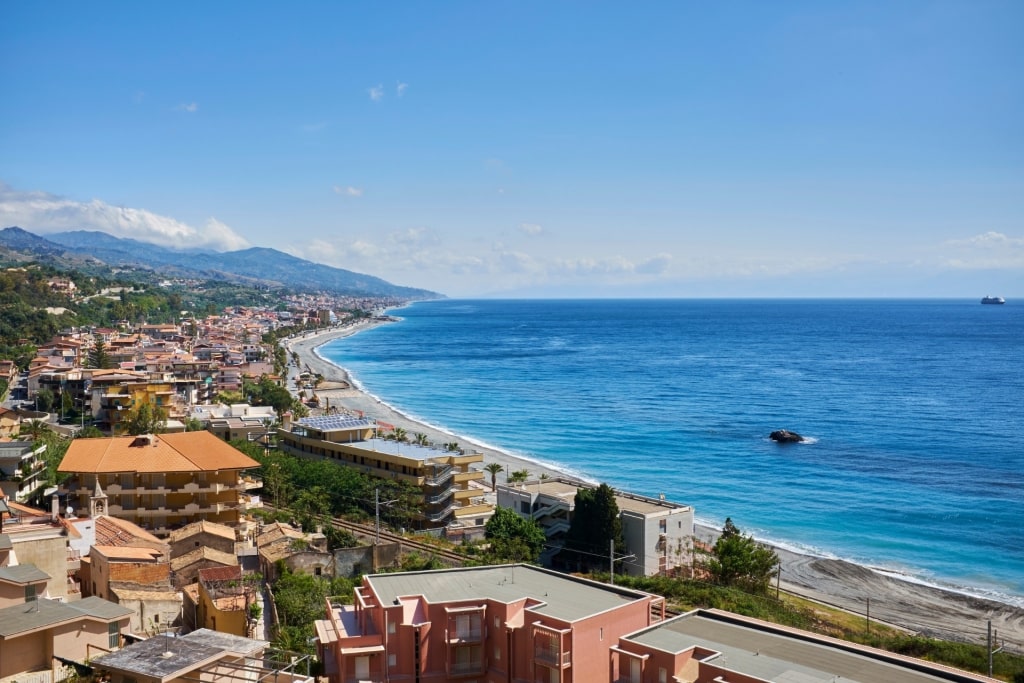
<point x="530" y="229"/>
<point x="656" y="265"/>
<point x="190" y="107"/>
<point x="348" y="191"/>
<point x="400" y="88"/>
<point x="376" y="92"/>
<point x="988" y="250"/>
<point x="42" y="212"/>
<point x="314" y="127"/>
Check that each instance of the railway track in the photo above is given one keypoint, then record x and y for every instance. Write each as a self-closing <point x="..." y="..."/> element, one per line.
<point x="367" y="532"/>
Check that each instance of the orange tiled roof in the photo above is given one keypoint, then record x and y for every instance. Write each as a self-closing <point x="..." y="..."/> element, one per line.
<point x="116" y="552"/>
<point x="120" y="532"/>
<point x="220" y="573"/>
<point x="183" y="452"/>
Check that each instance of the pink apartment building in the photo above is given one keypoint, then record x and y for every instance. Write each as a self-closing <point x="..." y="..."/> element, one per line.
<point x="496" y="624"/>
<point x="523" y="624"/>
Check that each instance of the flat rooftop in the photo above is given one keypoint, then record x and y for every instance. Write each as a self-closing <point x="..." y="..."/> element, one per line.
<point x="559" y="596"/>
<point x="565" y="489"/>
<point x="749" y="649"/>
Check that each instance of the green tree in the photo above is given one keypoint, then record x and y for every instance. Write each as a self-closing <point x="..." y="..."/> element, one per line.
<point x="145" y="418"/>
<point x="493" y="469"/>
<point x="738" y="560"/>
<point x="98" y="356"/>
<point x="518" y="476"/>
<point x="45" y="399"/>
<point x="595" y="525"/>
<point x="513" y="538"/>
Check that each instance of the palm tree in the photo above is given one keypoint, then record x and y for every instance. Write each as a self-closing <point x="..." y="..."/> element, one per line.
<point x="401" y="435"/>
<point x="34" y="428"/>
<point x="494" y="468"/>
<point x="518" y="476"/>
<point x="420" y="439"/>
<point x="453" y="446"/>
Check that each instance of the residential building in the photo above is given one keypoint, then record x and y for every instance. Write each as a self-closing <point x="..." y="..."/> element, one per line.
<point x="33" y="629"/>
<point x="161" y="482"/>
<point x="41" y="539"/>
<point x="202" y="655"/>
<point x="443" y="476"/>
<point x="220" y="600"/>
<point x="716" y="646"/>
<point x="22" y="469"/>
<point x="658" y="533"/>
<point x="202" y="535"/>
<point x="300" y="552"/>
<point x="499" y="623"/>
<point x="237" y="421"/>
<point x="186" y="567"/>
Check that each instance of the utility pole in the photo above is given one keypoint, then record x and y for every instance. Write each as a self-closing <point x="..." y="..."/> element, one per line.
<point x="992" y="635"/>
<point x="377" y="504"/>
<point x="612" y="558"/>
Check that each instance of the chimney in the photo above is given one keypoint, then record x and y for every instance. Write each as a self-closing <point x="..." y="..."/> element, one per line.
<point x="286" y="421"/>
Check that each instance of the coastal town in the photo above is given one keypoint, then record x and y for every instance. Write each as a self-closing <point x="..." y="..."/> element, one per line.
<point x="148" y="532"/>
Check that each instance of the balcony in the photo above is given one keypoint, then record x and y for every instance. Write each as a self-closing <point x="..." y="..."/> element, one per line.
<point x="441" y="515"/>
<point x="467" y="669"/>
<point x="439" y="498"/>
<point x="551" y="657"/>
<point x="440" y="476"/>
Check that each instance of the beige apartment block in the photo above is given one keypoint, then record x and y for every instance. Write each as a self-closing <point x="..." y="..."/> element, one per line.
<point x="443" y="476"/>
<point x="160" y="482"/>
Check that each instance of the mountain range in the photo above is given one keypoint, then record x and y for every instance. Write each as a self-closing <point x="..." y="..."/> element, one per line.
<point x="257" y="265"/>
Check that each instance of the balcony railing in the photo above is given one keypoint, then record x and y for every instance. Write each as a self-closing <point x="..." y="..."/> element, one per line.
<point x="440" y="476"/>
<point x="467" y="668"/>
<point x="552" y="657"/>
<point x="439" y="498"/>
<point x="441" y="514"/>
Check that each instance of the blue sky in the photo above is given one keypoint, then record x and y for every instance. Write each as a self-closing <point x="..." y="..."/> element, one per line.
<point x="537" y="148"/>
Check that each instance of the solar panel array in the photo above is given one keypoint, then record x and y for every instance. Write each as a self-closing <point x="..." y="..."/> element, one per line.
<point x="331" y="423"/>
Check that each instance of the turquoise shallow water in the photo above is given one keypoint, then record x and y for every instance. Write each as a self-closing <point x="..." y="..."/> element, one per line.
<point x="913" y="408"/>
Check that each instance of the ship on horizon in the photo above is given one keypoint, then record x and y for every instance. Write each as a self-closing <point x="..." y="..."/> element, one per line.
<point x="993" y="300"/>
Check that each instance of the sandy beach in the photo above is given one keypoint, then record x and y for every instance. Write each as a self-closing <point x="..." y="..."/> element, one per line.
<point x="908" y="604"/>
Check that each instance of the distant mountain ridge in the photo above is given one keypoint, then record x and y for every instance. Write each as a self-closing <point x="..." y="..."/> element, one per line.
<point x="256" y="265"/>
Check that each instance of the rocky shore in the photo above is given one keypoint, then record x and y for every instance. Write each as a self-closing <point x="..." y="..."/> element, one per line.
<point x="894" y="600"/>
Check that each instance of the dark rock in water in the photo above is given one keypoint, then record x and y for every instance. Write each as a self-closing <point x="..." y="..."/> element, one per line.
<point x="785" y="436"/>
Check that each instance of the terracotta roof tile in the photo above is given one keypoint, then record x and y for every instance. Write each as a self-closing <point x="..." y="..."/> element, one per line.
<point x="183" y="452"/>
<point x="220" y="573"/>
<point x="121" y="532"/>
<point x="114" y="552"/>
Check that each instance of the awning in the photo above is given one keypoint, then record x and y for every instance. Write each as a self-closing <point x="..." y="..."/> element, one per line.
<point x="368" y="650"/>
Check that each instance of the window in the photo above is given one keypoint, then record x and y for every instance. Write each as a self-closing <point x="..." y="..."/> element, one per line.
<point x="362" y="668"/>
<point x="392" y="626"/>
<point x="30" y="593"/>
<point x="113" y="635"/>
<point x="524" y="507"/>
<point x="497" y="653"/>
<point x="392" y="659"/>
<point x="635" y="670"/>
<point x="497" y="622"/>
<point x="467" y="626"/>
<point x="662" y="525"/>
<point x="662" y="675"/>
<point x="467" y="659"/>
<point x="600" y="633"/>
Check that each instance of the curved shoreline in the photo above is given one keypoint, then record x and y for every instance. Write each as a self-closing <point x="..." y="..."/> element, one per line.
<point x="905" y="602"/>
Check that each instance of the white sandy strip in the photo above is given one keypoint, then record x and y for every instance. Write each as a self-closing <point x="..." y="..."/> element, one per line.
<point x="909" y="604"/>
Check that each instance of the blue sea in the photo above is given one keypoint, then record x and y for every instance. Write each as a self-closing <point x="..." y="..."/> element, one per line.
<point x="914" y="413"/>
